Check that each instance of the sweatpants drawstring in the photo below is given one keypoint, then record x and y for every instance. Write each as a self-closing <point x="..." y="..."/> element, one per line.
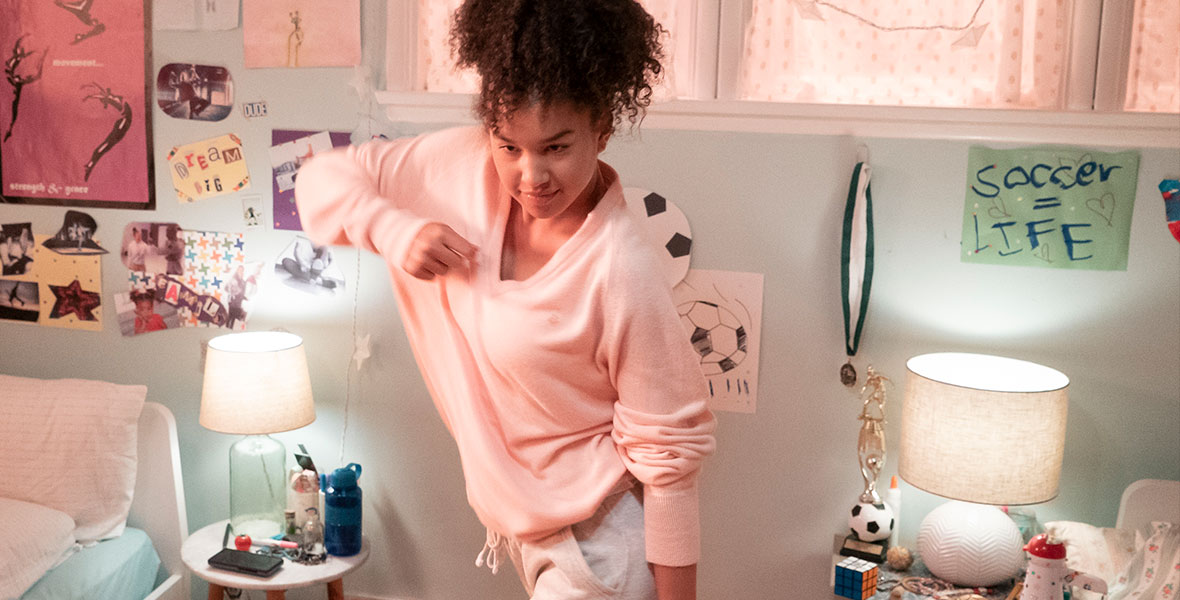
<point x="491" y="552"/>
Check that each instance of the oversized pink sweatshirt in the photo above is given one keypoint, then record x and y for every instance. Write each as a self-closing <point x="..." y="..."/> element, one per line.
<point x="553" y="386"/>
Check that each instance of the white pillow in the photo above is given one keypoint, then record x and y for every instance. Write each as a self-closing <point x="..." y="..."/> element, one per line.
<point x="70" y="444"/>
<point x="1099" y="551"/>
<point x="35" y="538"/>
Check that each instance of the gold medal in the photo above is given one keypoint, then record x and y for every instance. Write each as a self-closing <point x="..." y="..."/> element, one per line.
<point x="848" y="374"/>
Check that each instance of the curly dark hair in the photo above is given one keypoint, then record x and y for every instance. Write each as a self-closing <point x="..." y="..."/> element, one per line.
<point x="600" y="55"/>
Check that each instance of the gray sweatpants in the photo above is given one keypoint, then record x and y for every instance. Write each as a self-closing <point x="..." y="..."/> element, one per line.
<point x="601" y="558"/>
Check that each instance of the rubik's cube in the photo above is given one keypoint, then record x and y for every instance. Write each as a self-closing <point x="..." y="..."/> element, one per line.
<point x="856" y="578"/>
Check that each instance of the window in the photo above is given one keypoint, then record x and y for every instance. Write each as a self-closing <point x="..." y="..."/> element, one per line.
<point x="824" y="64"/>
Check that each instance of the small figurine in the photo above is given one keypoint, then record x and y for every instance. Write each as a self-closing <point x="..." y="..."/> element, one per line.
<point x="313" y="534"/>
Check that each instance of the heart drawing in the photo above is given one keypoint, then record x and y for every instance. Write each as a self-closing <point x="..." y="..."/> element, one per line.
<point x="1103" y="207"/>
<point x="998" y="210"/>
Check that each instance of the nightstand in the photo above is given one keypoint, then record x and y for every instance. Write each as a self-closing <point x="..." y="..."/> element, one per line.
<point x="205" y="542"/>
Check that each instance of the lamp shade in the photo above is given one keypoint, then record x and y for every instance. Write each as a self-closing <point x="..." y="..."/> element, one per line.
<point x="256" y="383"/>
<point x="983" y="429"/>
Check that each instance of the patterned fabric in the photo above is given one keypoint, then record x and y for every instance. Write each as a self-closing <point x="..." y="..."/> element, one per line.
<point x="436" y="68"/>
<point x="998" y="53"/>
<point x="1154" y="573"/>
<point x="1153" y="75"/>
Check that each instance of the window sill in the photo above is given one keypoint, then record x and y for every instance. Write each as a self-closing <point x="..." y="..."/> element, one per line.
<point x="1133" y="130"/>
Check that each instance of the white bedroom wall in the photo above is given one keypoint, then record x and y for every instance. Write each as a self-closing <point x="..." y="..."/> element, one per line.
<point x="778" y="488"/>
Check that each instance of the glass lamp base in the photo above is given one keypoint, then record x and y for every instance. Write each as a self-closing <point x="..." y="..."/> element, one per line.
<point x="257" y="490"/>
<point x="256" y="528"/>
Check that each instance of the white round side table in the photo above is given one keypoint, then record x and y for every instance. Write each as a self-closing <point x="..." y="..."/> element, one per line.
<point x="206" y="542"/>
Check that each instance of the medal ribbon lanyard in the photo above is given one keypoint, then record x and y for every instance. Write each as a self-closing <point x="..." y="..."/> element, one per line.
<point x="856" y="257"/>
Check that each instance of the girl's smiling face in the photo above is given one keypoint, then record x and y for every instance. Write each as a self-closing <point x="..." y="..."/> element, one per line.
<point x="547" y="159"/>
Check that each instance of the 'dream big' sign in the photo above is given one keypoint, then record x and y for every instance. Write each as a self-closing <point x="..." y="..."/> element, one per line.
<point x="1065" y="208"/>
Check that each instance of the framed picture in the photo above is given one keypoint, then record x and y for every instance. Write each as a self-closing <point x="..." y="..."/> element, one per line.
<point x="75" y="112"/>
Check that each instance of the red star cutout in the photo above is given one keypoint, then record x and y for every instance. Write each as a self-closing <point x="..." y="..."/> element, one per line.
<point x="72" y="299"/>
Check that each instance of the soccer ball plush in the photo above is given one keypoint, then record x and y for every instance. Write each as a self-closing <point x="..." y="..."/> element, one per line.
<point x="717" y="335"/>
<point x="666" y="227"/>
<point x="871" y="522"/>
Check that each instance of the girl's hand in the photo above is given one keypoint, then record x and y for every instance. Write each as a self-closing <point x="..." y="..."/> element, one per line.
<point x="436" y="250"/>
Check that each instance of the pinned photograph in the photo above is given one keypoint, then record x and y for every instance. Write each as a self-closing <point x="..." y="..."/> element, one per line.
<point x="284" y="213"/>
<point x="19" y="301"/>
<point x="309" y="268"/>
<point x="199" y="92"/>
<point x="139" y="312"/>
<point x="252" y="211"/>
<point x="76" y="235"/>
<point x="16" y="248"/>
<point x="240" y="291"/>
<point x="153" y="248"/>
<point x="286" y="158"/>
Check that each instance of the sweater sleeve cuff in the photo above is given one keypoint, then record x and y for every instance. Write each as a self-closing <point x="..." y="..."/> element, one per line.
<point x="671" y="523"/>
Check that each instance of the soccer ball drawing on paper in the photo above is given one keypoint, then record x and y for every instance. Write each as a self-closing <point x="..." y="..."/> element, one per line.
<point x="720" y="312"/>
<point x="717" y="335"/>
<point x="871" y="522"/>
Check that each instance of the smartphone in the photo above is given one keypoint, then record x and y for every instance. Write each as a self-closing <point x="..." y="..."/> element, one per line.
<point x="248" y="563"/>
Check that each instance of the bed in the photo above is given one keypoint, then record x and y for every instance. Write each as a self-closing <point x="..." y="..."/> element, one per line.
<point x="1139" y="558"/>
<point x="116" y="530"/>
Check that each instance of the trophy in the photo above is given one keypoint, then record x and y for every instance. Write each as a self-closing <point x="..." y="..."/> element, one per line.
<point x="871" y="519"/>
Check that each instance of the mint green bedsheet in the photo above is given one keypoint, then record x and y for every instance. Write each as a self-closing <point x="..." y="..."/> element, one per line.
<point x="122" y="568"/>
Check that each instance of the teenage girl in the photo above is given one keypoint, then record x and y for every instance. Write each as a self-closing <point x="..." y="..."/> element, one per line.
<point x="537" y="312"/>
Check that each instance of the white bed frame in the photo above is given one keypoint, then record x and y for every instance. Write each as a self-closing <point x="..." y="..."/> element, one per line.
<point x="1149" y="500"/>
<point x="158" y="505"/>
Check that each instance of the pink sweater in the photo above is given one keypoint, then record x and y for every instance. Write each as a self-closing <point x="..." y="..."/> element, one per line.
<point x="551" y="386"/>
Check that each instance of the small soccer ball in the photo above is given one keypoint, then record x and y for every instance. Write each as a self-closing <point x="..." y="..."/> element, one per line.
<point x="666" y="227"/>
<point x="717" y="335"/>
<point x="871" y="522"/>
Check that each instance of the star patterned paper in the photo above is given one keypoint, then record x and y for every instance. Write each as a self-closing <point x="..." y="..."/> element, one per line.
<point x="210" y="261"/>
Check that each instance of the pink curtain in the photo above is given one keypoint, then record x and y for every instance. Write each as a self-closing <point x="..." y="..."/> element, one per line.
<point x="964" y="53"/>
<point x="436" y="68"/>
<point x="1153" y="75"/>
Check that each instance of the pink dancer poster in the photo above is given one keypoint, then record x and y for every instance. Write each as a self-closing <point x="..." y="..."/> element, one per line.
<point x="75" y="119"/>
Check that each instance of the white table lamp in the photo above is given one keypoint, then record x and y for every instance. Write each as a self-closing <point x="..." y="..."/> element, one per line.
<point x="255" y="384"/>
<point x="980" y="430"/>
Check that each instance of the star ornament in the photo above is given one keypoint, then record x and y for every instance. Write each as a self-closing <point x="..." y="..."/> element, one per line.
<point x="72" y="299"/>
<point x="362" y="350"/>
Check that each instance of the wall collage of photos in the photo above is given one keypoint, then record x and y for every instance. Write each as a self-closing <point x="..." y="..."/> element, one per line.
<point x="75" y="124"/>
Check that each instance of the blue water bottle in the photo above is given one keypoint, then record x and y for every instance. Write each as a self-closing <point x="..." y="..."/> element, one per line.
<point x="342" y="510"/>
